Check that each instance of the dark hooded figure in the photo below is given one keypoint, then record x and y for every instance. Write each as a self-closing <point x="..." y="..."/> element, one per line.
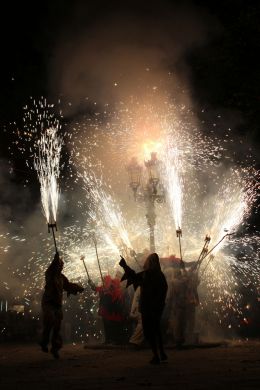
<point x="56" y="283"/>
<point x="153" y="292"/>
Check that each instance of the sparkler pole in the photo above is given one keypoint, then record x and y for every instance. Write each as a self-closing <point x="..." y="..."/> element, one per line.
<point x="228" y="234"/>
<point x="203" y="252"/>
<point x="52" y="226"/>
<point x="83" y="259"/>
<point x="205" y="247"/>
<point x="179" y="235"/>
<point x="95" y="243"/>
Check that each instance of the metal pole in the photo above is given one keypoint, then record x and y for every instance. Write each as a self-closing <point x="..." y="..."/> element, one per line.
<point x="95" y="243"/>
<point x="179" y="235"/>
<point x="52" y="226"/>
<point x="180" y="247"/>
<point x="205" y="246"/>
<point x="83" y="259"/>
<point x="54" y="239"/>
<point x="228" y="234"/>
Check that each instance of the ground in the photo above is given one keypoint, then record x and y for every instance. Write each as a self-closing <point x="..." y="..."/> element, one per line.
<point x="233" y="365"/>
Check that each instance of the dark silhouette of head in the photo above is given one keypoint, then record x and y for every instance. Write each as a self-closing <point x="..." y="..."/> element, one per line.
<point x="152" y="263"/>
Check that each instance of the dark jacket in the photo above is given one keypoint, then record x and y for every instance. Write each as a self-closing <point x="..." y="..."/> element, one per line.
<point x="153" y="289"/>
<point x="56" y="283"/>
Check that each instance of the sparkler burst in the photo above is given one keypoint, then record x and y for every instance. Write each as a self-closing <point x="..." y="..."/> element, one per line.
<point x="172" y="179"/>
<point x="47" y="165"/>
<point x="107" y="211"/>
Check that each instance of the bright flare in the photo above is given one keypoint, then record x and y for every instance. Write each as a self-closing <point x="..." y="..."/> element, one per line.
<point x="47" y="165"/>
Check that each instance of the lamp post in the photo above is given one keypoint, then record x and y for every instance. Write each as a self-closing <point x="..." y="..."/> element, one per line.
<point x="146" y="187"/>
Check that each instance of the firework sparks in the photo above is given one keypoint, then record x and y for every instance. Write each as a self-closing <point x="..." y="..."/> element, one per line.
<point x="107" y="210"/>
<point x="232" y="205"/>
<point x="173" y="182"/>
<point x="47" y="165"/>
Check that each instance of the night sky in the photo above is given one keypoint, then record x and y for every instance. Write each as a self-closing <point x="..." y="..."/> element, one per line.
<point x="223" y="72"/>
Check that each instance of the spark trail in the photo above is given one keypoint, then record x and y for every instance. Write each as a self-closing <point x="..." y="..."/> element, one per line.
<point x="172" y="182"/>
<point x="105" y="209"/>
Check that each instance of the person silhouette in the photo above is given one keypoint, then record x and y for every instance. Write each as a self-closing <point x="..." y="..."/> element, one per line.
<point x="56" y="283"/>
<point x="153" y="290"/>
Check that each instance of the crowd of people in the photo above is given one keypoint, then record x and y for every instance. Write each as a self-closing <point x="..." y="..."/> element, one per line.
<point x="136" y="307"/>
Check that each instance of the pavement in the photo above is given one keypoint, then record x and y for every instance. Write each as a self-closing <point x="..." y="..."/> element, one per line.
<point x="226" y="365"/>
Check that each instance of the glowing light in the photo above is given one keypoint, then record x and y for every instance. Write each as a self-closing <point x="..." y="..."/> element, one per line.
<point x="151" y="147"/>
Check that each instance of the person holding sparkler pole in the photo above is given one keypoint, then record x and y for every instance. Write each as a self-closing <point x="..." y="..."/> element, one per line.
<point x="178" y="297"/>
<point x="193" y="281"/>
<point x="185" y="306"/>
<point x="56" y="283"/>
<point x="192" y="302"/>
<point x="153" y="290"/>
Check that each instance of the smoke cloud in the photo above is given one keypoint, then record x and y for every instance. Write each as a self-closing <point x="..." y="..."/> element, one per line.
<point x="127" y="51"/>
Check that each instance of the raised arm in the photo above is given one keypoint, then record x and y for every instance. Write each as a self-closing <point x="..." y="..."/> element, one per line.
<point x="130" y="275"/>
<point x="71" y="288"/>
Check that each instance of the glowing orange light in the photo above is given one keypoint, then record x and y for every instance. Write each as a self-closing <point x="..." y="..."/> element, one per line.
<point x="150" y="147"/>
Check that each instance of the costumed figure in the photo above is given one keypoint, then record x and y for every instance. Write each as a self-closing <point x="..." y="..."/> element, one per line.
<point x="184" y="300"/>
<point x="153" y="290"/>
<point x="111" y="309"/>
<point x="56" y="283"/>
<point x="177" y="321"/>
<point x="192" y="302"/>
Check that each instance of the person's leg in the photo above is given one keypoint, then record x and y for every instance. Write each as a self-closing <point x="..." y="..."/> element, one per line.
<point x="123" y="330"/>
<point x="153" y="343"/>
<point x="56" y="340"/>
<point x="149" y="328"/>
<point x="107" y="331"/>
<point x="48" y="322"/>
<point x="117" y="332"/>
<point x="163" y="355"/>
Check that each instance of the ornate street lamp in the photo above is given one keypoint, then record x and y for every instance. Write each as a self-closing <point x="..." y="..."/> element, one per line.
<point x="135" y="172"/>
<point x="150" y="192"/>
<point x="152" y="166"/>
